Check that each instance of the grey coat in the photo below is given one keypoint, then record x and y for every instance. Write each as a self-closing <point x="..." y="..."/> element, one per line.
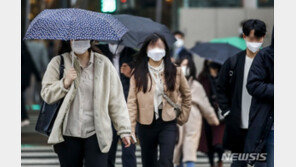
<point x="109" y="102"/>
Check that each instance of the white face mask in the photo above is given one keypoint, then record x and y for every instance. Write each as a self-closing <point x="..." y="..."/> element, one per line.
<point x="115" y="48"/>
<point x="185" y="70"/>
<point x="156" y="54"/>
<point x="253" y="46"/>
<point x="179" y="43"/>
<point x="81" y="46"/>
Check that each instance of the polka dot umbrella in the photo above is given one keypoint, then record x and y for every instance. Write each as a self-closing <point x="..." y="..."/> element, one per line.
<point x="75" y="24"/>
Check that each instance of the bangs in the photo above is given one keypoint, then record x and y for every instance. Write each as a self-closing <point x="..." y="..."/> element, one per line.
<point x="154" y="38"/>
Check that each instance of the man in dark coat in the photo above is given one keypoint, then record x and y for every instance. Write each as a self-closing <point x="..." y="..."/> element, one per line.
<point x="122" y="59"/>
<point x="261" y="86"/>
<point x="232" y="96"/>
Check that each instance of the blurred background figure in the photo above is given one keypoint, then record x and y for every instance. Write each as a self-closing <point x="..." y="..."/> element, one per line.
<point x="122" y="59"/>
<point x="39" y="53"/>
<point x="189" y="133"/>
<point x="28" y="68"/>
<point x="240" y="29"/>
<point x="179" y="49"/>
<point x="212" y="136"/>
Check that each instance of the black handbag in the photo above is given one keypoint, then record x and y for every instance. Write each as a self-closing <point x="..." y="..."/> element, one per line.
<point x="49" y="112"/>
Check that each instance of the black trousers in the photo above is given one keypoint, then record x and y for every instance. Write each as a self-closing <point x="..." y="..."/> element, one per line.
<point x="212" y="149"/>
<point x="74" y="152"/>
<point x="128" y="156"/>
<point x="240" y="149"/>
<point x="162" y="134"/>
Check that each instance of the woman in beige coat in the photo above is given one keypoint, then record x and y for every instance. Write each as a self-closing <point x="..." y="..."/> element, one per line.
<point x="190" y="132"/>
<point x="93" y="98"/>
<point x="153" y="75"/>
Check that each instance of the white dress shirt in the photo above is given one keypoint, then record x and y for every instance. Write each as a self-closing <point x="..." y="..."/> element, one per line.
<point x="155" y="74"/>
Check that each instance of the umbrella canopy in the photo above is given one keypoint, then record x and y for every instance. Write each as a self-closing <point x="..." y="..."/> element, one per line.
<point x="234" y="41"/>
<point x="139" y="28"/>
<point x="68" y="24"/>
<point x="217" y="52"/>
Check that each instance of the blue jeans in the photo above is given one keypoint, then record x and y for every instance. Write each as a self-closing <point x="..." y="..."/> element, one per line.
<point x="188" y="164"/>
<point x="270" y="149"/>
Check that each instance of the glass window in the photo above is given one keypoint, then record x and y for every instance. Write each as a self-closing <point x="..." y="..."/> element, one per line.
<point x="265" y="3"/>
<point x="215" y="3"/>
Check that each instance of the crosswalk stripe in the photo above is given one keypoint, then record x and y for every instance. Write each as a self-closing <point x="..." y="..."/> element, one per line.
<point x="44" y="156"/>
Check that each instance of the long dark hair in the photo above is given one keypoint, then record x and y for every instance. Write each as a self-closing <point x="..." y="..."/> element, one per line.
<point x="141" y="71"/>
<point x="206" y="68"/>
<point x="66" y="47"/>
<point x="190" y="65"/>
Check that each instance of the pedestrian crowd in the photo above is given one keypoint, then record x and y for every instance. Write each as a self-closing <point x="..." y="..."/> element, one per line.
<point x="154" y="96"/>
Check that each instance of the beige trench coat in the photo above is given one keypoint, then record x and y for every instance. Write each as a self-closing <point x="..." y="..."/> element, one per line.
<point x="109" y="102"/>
<point x="190" y="132"/>
<point x="140" y="104"/>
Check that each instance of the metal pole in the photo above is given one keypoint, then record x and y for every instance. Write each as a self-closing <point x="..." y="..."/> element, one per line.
<point x="132" y="3"/>
<point x="186" y="3"/>
<point x="250" y="4"/>
<point x="64" y="3"/>
<point x="28" y="10"/>
<point x="158" y="11"/>
<point x="175" y="15"/>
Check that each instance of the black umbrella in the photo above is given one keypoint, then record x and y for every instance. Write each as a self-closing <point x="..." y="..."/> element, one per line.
<point x="139" y="28"/>
<point x="217" y="52"/>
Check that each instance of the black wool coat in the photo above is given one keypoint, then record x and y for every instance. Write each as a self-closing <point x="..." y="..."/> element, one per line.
<point x="261" y="86"/>
<point x="229" y="97"/>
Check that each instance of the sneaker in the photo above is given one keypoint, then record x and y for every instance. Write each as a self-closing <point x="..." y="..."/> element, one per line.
<point x="25" y="122"/>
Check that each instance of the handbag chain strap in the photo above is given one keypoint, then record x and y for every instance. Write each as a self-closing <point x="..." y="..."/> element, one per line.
<point x="176" y="106"/>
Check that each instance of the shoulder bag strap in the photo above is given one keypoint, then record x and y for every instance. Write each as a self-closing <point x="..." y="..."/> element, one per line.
<point x="62" y="67"/>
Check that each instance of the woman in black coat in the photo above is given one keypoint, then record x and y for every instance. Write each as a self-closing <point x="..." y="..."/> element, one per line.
<point x="261" y="86"/>
<point x="212" y="136"/>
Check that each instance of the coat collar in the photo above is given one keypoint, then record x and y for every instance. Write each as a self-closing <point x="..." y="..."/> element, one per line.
<point x="97" y="67"/>
<point x="91" y="59"/>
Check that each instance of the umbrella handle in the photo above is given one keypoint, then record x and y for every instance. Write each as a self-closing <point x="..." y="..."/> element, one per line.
<point x="118" y="46"/>
<point x="72" y="60"/>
